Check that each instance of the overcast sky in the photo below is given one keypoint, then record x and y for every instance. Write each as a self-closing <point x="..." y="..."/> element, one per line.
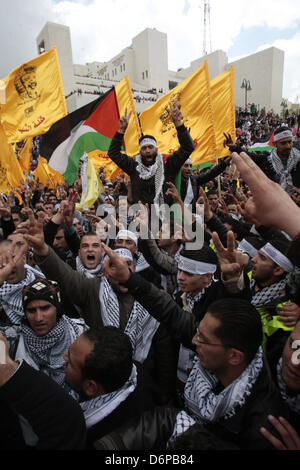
<point x="100" y="29"/>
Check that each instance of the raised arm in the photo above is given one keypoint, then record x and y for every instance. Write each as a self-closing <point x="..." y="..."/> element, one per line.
<point x="123" y="161"/>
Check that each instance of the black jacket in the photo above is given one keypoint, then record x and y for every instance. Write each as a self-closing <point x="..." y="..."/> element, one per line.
<point x="152" y="430"/>
<point x="144" y="190"/>
<point x="56" y="418"/>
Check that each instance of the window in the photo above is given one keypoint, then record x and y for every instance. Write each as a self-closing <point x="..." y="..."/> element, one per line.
<point x="146" y="73"/>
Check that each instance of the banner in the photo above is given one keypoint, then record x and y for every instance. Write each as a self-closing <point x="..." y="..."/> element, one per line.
<point x="34" y="97"/>
<point x="194" y="98"/>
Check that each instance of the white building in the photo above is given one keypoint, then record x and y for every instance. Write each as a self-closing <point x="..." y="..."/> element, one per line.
<point x="145" y="61"/>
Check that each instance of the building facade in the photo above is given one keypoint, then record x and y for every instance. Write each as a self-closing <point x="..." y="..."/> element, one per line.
<point x="145" y="61"/>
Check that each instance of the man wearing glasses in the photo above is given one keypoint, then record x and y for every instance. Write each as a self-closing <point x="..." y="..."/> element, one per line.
<point x="229" y="389"/>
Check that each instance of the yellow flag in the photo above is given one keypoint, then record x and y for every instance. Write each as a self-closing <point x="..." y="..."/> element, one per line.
<point x="125" y="101"/>
<point x="193" y="95"/>
<point x="10" y="171"/>
<point x="47" y="175"/>
<point x="91" y="185"/>
<point x="25" y="155"/>
<point x="222" y="98"/>
<point x="34" y="97"/>
<point x="102" y="160"/>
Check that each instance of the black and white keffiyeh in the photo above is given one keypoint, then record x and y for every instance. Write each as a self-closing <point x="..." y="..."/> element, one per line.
<point x="183" y="423"/>
<point x="156" y="170"/>
<point x="90" y="273"/>
<point x="204" y="405"/>
<point x="46" y="352"/>
<point x="98" y="408"/>
<point x="293" y="402"/>
<point x="141" y="263"/>
<point x="284" y="174"/>
<point x="268" y="294"/>
<point x="11" y="295"/>
<point x="141" y="326"/>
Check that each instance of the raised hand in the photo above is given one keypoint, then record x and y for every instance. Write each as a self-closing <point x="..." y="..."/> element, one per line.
<point x="176" y="114"/>
<point x="123" y="122"/>
<point x="9" y="260"/>
<point x="269" y="203"/>
<point x="232" y="261"/>
<point x="172" y="191"/>
<point x="33" y="232"/>
<point x="208" y="213"/>
<point x="5" y="210"/>
<point x="115" y="267"/>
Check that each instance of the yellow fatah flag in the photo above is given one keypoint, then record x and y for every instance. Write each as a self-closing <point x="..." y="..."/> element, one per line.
<point x="10" y="171"/>
<point x="91" y="184"/>
<point x="34" y="97"/>
<point x="193" y="97"/>
<point x="25" y="155"/>
<point x="126" y="102"/>
<point x="222" y="98"/>
<point x="47" y="175"/>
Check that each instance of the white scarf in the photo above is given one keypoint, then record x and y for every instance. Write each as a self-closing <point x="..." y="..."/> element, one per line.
<point x="90" y="273"/>
<point x="293" y="402"/>
<point x="285" y="174"/>
<point x="204" y="405"/>
<point x="189" y="193"/>
<point x="98" y="408"/>
<point x="11" y="294"/>
<point x="141" y="263"/>
<point x="156" y="170"/>
<point x="141" y="326"/>
<point x="46" y="352"/>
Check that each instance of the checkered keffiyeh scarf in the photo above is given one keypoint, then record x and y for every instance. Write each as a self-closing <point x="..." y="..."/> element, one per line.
<point x="11" y="295"/>
<point x="285" y="180"/>
<point x="96" y="409"/>
<point x="206" y="406"/>
<point x="47" y="351"/>
<point x="156" y="170"/>
<point x="183" y="423"/>
<point x="90" y="273"/>
<point x="293" y="402"/>
<point x="267" y="295"/>
<point x="140" y="327"/>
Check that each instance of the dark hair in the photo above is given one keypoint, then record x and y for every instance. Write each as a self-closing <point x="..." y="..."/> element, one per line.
<point x="280" y="129"/>
<point x="212" y="192"/>
<point x="110" y="362"/>
<point x="206" y="254"/>
<point x="241" y="229"/>
<point x="240" y="326"/>
<point x="197" y="437"/>
<point x="89" y="234"/>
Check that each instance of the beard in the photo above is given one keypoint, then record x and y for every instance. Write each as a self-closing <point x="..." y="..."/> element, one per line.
<point x="146" y="160"/>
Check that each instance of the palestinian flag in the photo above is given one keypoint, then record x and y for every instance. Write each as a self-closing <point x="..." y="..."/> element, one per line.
<point x="89" y="130"/>
<point x="265" y="146"/>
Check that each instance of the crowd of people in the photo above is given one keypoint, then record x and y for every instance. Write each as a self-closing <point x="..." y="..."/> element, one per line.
<point x="127" y="326"/>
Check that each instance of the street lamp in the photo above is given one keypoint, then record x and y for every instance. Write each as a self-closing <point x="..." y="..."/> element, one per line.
<point x="247" y="86"/>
